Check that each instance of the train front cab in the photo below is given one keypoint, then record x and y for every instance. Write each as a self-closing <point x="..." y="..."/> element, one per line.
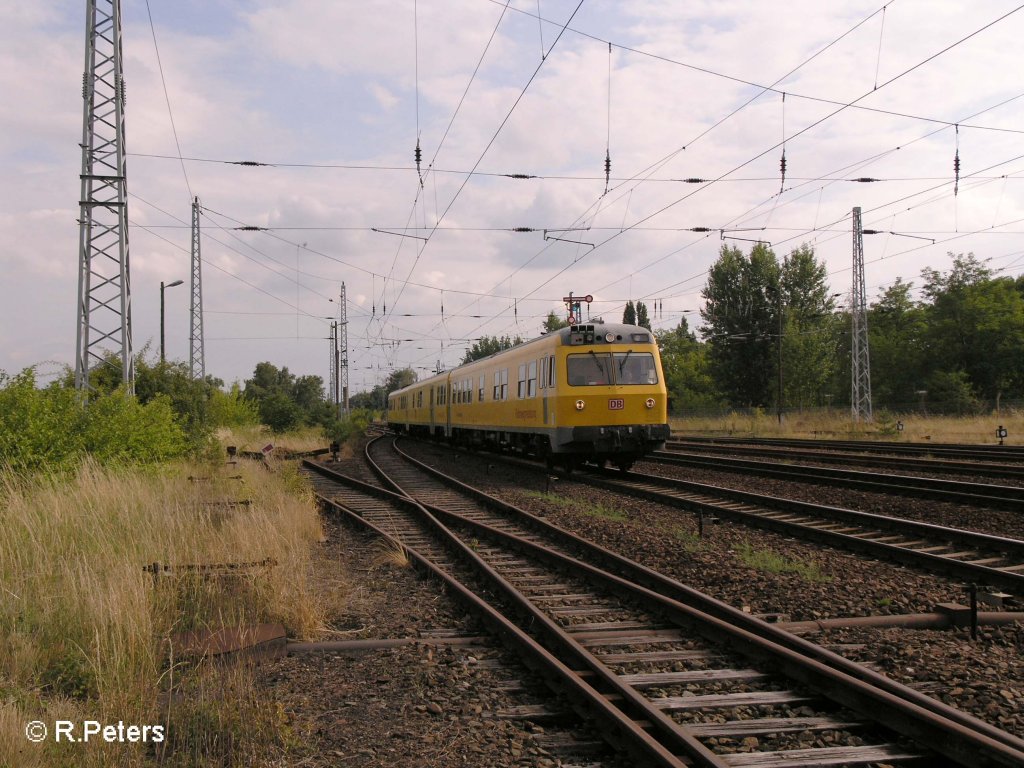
<point x="611" y="395"/>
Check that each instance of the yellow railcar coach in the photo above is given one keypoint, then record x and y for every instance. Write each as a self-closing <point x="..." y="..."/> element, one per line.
<point x="591" y="392"/>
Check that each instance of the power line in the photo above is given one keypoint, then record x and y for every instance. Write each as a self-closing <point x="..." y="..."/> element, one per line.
<point x="167" y="98"/>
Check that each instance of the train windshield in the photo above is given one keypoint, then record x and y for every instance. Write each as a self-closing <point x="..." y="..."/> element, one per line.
<point x="635" y="368"/>
<point x="589" y="370"/>
<point x="598" y="370"/>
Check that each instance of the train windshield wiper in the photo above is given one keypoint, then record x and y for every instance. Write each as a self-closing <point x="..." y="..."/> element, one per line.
<point x="622" y="365"/>
<point x="597" y="360"/>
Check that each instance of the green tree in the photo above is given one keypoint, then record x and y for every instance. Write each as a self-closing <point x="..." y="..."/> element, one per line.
<point x="489" y="345"/>
<point x="642" y="318"/>
<point x="976" y="325"/>
<point x="374" y="400"/>
<point x="687" y="377"/>
<point x="951" y="392"/>
<point x="897" y="326"/>
<point x="279" y="412"/>
<point x="403" y="377"/>
<point x="553" y="323"/>
<point x="629" y="314"/>
<point x="810" y="330"/>
<point x="284" y="401"/>
<point x="741" y="296"/>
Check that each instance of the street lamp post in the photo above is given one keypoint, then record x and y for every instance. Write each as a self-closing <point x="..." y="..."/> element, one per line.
<point x="163" y="357"/>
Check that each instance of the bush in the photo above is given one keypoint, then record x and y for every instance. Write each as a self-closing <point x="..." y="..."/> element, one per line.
<point x="49" y="428"/>
<point x="230" y="409"/>
<point x="344" y="430"/>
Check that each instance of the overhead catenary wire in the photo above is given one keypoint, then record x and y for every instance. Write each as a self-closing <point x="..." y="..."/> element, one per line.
<point x="167" y="99"/>
<point x="635" y="228"/>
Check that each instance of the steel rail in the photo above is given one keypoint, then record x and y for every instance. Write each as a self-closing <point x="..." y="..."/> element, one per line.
<point x="640" y="574"/>
<point x="623" y="729"/>
<point x="1010" y="453"/>
<point x="770" y="512"/>
<point x="959" y="739"/>
<point x="976" y="494"/>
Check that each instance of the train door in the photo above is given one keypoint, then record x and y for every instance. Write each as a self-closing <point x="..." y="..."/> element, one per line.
<point x="431" y="410"/>
<point x="447" y="410"/>
<point x="547" y="383"/>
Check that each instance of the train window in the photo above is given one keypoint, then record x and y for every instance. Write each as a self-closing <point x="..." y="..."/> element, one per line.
<point x="521" y="389"/>
<point x="480" y="393"/>
<point x="504" y="383"/>
<point x="635" y="368"/>
<point x="551" y="371"/>
<point x="531" y="380"/>
<point x="589" y="370"/>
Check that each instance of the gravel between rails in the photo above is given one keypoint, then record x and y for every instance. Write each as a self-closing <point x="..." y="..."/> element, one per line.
<point x="411" y="706"/>
<point x="985" y="678"/>
<point x="992" y="521"/>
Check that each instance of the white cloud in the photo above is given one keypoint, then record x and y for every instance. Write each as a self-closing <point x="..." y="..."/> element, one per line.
<point x="311" y="82"/>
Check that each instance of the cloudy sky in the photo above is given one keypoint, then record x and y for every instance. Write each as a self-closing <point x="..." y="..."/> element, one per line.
<point x="333" y="97"/>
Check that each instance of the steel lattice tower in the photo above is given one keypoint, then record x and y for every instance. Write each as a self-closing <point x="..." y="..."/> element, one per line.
<point x="104" y="293"/>
<point x="343" y="343"/>
<point x="860" y="397"/>
<point x="332" y="387"/>
<point x="196" y="354"/>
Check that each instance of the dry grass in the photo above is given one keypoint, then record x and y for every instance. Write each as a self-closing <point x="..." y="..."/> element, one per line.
<point x="838" y="425"/>
<point x="255" y="437"/>
<point x="84" y="631"/>
<point x="392" y="552"/>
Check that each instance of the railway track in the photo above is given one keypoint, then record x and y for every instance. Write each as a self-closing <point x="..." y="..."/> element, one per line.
<point x="952" y="451"/>
<point x="678" y="683"/>
<point x="976" y="558"/>
<point x="974" y="494"/>
<point x="824" y="455"/>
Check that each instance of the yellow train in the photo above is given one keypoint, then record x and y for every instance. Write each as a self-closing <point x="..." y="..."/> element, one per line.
<point x="591" y="392"/>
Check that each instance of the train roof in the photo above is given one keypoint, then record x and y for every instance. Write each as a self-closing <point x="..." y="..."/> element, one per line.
<point x="604" y="333"/>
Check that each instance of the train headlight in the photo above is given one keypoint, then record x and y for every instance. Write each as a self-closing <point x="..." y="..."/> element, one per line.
<point x="609" y="337"/>
<point x="579" y="405"/>
<point x="650" y="402"/>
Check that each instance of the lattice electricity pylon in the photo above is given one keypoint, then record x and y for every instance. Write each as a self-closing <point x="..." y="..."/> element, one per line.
<point x="343" y="344"/>
<point x="104" y="285"/>
<point x="196" y="353"/>
<point x="332" y="366"/>
<point x="860" y="396"/>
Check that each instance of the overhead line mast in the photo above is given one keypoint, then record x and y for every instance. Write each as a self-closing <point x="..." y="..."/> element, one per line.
<point x="860" y="396"/>
<point x="104" y="292"/>
<point x="197" y="354"/>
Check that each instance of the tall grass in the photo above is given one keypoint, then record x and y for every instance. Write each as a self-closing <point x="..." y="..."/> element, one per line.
<point x="837" y="424"/>
<point x="84" y="632"/>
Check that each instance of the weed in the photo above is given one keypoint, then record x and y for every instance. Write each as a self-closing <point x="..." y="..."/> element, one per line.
<point x="690" y="541"/>
<point x="580" y="507"/>
<point x="772" y="562"/>
<point x="600" y="510"/>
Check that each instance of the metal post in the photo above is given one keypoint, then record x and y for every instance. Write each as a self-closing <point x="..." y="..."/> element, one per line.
<point x="860" y="399"/>
<point x="197" y="352"/>
<point x="780" y="342"/>
<point x="973" y="590"/>
<point x="104" y="292"/>
<point x="163" y="356"/>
